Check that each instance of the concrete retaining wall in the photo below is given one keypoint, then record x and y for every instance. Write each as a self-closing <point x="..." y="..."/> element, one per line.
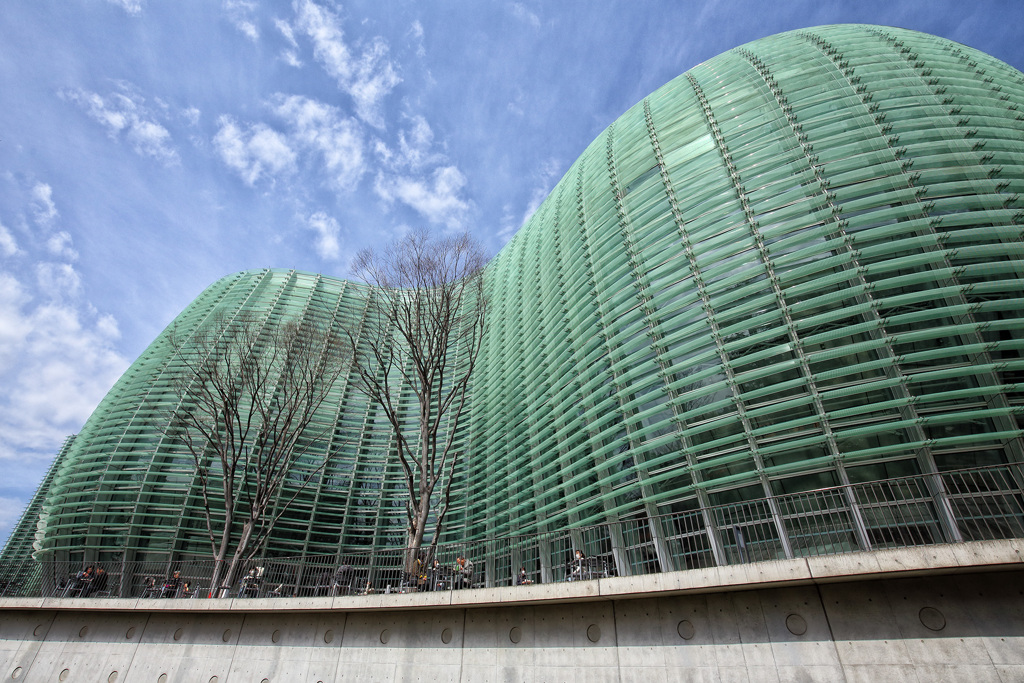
<point x="934" y="625"/>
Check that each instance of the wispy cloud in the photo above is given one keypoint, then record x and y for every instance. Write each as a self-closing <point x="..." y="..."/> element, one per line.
<point x="416" y="33"/>
<point x="367" y="75"/>
<point x="59" y="245"/>
<point x="437" y="197"/>
<point x="44" y="211"/>
<point x="290" y="55"/>
<point x="129" y="6"/>
<point x="255" y="152"/>
<point x="328" y="241"/>
<point x="125" y="114"/>
<point x="240" y="14"/>
<point x="192" y="115"/>
<point x="322" y="130"/>
<point x="8" y="245"/>
<point x="523" y="14"/>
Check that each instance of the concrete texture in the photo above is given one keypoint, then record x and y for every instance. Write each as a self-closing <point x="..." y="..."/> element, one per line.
<point x="924" y="614"/>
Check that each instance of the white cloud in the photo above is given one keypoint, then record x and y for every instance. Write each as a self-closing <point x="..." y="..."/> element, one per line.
<point x="125" y="113"/>
<point x="436" y="199"/>
<point x="8" y="246"/>
<point x="286" y="30"/>
<point x="58" y="354"/>
<point x="322" y="129"/>
<point x="58" y="281"/>
<point x="416" y="31"/>
<point x="57" y="360"/>
<point x="367" y="77"/>
<point x="44" y="211"/>
<point x="151" y="139"/>
<point x="129" y="6"/>
<point x="192" y="114"/>
<point x="328" y="244"/>
<point x="415" y="143"/>
<point x="254" y="153"/>
<point x="240" y="15"/>
<point x="59" y="245"/>
<point x="290" y="56"/>
<point x="520" y="12"/>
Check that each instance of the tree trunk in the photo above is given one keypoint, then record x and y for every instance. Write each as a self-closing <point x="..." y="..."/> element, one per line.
<point x="243" y="544"/>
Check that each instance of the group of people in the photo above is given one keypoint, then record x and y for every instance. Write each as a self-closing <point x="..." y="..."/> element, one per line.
<point x="89" y="581"/>
<point x="171" y="587"/>
<point x="435" y="577"/>
<point x="432" y="576"/>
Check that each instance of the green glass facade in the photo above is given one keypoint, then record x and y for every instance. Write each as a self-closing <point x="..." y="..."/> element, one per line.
<point x="798" y="265"/>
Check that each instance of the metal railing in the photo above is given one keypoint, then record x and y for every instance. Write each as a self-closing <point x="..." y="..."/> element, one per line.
<point x="961" y="505"/>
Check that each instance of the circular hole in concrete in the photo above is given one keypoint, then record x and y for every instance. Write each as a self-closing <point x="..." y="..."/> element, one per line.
<point x="275" y="636"/>
<point x="446" y="636"/>
<point x="328" y="636"/>
<point x="112" y="677"/>
<point x="265" y="680"/>
<point x="130" y="632"/>
<point x="16" y="673"/>
<point x="385" y="636"/>
<point x="179" y="633"/>
<point x="516" y="634"/>
<point x="227" y="635"/>
<point x="932" y="619"/>
<point x="214" y="679"/>
<point x="593" y="633"/>
<point x="685" y="630"/>
<point x="82" y="631"/>
<point x="64" y="675"/>
<point x="796" y="624"/>
<point x="38" y="630"/>
<point x="162" y="678"/>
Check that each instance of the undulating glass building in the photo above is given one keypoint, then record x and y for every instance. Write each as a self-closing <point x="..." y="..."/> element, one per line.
<point x="797" y="266"/>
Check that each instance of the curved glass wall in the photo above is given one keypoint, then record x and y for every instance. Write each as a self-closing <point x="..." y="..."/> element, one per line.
<point x="798" y="265"/>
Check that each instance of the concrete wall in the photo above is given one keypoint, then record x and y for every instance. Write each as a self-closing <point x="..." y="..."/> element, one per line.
<point x="935" y="624"/>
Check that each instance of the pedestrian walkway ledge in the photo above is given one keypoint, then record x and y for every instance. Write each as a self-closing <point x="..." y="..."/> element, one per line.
<point x="951" y="558"/>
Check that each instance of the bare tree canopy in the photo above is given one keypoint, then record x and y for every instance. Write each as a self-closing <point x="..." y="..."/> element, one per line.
<point x="249" y="395"/>
<point x="422" y="335"/>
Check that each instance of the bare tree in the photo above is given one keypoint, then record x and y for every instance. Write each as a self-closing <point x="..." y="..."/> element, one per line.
<point x="248" y="402"/>
<point x="424" y="326"/>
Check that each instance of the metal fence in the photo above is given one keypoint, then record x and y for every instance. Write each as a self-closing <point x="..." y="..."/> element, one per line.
<point x="962" y="505"/>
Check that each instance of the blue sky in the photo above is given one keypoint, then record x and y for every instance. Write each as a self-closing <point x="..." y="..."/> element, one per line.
<point x="149" y="147"/>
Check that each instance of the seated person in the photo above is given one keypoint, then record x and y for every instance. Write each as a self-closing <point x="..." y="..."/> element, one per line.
<point x="171" y="585"/>
<point x="99" y="581"/>
<point x="576" y="566"/>
<point x="522" y="579"/>
<point x="462" y="575"/>
<point x="437" y="577"/>
<point x="149" y="587"/>
<point x="250" y="586"/>
<point x="82" y="582"/>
